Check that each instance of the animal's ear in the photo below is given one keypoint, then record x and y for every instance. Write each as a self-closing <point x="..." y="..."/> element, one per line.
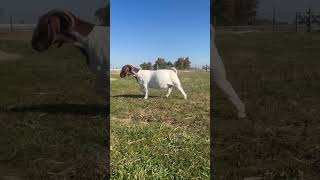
<point x="126" y="71"/>
<point x="53" y="28"/>
<point x="66" y="19"/>
<point x="60" y="23"/>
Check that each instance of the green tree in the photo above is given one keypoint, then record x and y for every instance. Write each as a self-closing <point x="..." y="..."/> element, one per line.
<point x="146" y="66"/>
<point x="169" y="64"/>
<point x="245" y="11"/>
<point x="182" y="63"/>
<point x="219" y="10"/>
<point x="103" y="15"/>
<point x="233" y="12"/>
<point x="187" y="63"/>
<point x="160" y="63"/>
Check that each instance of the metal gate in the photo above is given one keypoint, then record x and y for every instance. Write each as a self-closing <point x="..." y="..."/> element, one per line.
<point x="308" y="21"/>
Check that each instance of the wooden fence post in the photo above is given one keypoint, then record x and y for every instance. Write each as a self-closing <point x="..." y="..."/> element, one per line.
<point x="11" y="26"/>
<point x="274" y="20"/>
<point x="309" y="21"/>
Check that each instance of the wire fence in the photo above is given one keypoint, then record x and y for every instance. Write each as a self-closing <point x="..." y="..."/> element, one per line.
<point x="192" y="68"/>
<point x="303" y="21"/>
<point x="16" y="27"/>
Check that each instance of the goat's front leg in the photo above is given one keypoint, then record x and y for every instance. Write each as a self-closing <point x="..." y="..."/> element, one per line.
<point x="142" y="91"/>
<point x="169" y="91"/>
<point x="182" y="92"/>
<point x="146" y="91"/>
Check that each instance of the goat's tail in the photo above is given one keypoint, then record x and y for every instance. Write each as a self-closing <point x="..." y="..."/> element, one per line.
<point x="174" y="69"/>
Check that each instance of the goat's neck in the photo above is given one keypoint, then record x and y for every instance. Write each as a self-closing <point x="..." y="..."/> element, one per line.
<point x="83" y="28"/>
<point x="80" y="31"/>
<point x="135" y="70"/>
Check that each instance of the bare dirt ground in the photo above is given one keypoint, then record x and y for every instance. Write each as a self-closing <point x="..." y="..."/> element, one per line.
<point x="4" y="56"/>
<point x="5" y="34"/>
<point x="17" y="34"/>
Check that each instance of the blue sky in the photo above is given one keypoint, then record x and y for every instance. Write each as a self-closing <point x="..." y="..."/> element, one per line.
<point x="143" y="30"/>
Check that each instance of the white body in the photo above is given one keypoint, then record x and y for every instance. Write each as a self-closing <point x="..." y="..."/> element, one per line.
<point x="159" y="79"/>
<point x="97" y="45"/>
<point x="219" y="76"/>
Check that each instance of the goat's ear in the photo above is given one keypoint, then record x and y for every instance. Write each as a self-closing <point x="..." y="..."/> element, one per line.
<point x="66" y="19"/>
<point x="53" y="28"/>
<point x="126" y="71"/>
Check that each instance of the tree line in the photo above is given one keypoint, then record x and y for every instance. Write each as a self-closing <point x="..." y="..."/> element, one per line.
<point x="161" y="63"/>
<point x="103" y="14"/>
<point x="234" y="12"/>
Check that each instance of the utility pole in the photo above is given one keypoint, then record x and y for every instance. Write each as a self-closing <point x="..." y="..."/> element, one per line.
<point x="274" y="19"/>
<point x="1" y="14"/>
<point x="309" y="20"/>
<point x="11" y="26"/>
<point x="296" y="21"/>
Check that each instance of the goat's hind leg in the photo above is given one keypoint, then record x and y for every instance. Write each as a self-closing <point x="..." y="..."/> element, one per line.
<point x="227" y="88"/>
<point x="219" y="75"/>
<point x="182" y="92"/>
<point x="169" y="90"/>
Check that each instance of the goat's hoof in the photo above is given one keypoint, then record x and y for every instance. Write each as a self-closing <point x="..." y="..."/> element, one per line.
<point x="145" y="97"/>
<point x="185" y="98"/>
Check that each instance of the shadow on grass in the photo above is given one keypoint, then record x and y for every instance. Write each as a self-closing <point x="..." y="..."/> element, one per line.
<point x="133" y="96"/>
<point x="79" y="109"/>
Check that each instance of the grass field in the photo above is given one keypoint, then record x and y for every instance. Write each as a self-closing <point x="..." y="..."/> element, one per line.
<point x="51" y="121"/>
<point x="160" y="138"/>
<point x="277" y="75"/>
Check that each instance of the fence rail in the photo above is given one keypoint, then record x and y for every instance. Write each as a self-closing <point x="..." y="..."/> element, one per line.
<point x="266" y="28"/>
<point x="193" y="68"/>
<point x="16" y="26"/>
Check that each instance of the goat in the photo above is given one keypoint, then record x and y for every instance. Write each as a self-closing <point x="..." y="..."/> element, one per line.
<point x="158" y="79"/>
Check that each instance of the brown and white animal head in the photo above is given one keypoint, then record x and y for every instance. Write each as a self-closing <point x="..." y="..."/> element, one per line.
<point x="57" y="27"/>
<point x="128" y="70"/>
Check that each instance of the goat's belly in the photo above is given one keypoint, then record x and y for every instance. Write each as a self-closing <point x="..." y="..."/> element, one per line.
<point x="158" y="85"/>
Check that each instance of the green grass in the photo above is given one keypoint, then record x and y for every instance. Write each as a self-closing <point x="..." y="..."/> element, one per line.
<point x="51" y="121"/>
<point x="160" y="138"/>
<point x="277" y="75"/>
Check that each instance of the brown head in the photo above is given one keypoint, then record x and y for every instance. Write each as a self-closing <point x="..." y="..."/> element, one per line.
<point x="128" y="70"/>
<point x="55" y="27"/>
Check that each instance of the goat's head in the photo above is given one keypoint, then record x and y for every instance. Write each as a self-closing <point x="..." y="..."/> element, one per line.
<point x="128" y="70"/>
<point x="53" y="28"/>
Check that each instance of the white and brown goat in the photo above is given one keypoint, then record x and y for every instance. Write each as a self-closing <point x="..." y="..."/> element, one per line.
<point x="60" y="26"/>
<point x="157" y="79"/>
